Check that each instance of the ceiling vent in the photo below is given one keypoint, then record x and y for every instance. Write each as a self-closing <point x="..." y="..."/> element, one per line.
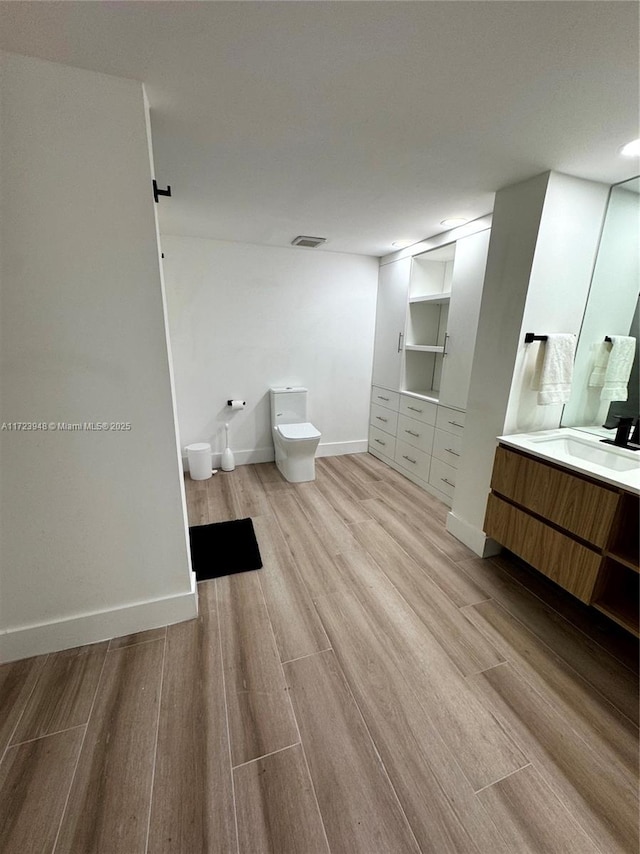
<point x="309" y="242"/>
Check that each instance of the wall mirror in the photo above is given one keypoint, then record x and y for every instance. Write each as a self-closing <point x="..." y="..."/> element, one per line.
<point x="612" y="309"/>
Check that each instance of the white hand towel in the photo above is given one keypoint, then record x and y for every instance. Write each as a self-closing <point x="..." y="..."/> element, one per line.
<point x="596" y="380"/>
<point x="623" y="351"/>
<point x="557" y="369"/>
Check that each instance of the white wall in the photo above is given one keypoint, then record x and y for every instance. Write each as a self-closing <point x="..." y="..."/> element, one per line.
<point x="543" y="244"/>
<point x="92" y="539"/>
<point x="244" y="317"/>
<point x="516" y="217"/>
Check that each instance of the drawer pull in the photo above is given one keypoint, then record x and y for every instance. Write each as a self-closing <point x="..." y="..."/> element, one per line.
<point x="444" y="480"/>
<point x="455" y="424"/>
<point x="451" y="451"/>
<point x="380" y="397"/>
<point x="413" y="409"/>
<point x="405" y="457"/>
<point x="411" y="433"/>
<point x="380" y="442"/>
<point x="380" y="418"/>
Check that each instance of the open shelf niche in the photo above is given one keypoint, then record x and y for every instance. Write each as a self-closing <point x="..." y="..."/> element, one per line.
<point x="618" y="591"/>
<point x="429" y="294"/>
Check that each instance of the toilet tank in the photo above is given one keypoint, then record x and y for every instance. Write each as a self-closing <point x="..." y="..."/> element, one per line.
<point x="288" y="405"/>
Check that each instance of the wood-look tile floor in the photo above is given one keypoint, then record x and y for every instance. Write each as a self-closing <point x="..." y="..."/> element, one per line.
<point x="374" y="688"/>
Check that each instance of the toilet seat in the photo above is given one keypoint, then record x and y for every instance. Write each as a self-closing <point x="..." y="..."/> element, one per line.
<point x="306" y="430"/>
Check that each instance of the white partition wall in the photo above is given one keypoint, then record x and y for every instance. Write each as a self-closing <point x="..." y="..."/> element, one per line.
<point x="92" y="540"/>
<point x="543" y="244"/>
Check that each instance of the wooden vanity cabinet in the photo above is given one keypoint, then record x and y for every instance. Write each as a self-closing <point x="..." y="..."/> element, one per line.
<point x="581" y="533"/>
<point x="617" y="592"/>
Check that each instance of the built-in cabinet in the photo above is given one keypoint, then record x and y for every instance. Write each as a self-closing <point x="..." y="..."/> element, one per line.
<point x="417" y="437"/>
<point x="391" y="312"/>
<point x="427" y="316"/>
<point x="462" y="321"/>
<point x="427" y="320"/>
<point x="581" y="533"/>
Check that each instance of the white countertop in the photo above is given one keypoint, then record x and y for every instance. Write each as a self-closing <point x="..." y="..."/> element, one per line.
<point x="581" y="452"/>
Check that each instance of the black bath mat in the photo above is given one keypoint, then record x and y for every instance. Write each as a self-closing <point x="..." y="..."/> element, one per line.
<point x="224" y="548"/>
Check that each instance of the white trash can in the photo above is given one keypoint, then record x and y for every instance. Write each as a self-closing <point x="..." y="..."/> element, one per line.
<point x="199" y="457"/>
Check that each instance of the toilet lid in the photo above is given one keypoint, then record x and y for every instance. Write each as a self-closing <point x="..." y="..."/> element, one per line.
<point x="298" y="431"/>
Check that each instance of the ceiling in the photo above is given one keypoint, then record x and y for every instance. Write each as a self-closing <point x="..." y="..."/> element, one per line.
<point x="362" y="122"/>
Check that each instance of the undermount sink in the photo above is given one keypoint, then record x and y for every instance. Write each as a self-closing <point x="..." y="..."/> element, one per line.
<point x="616" y="459"/>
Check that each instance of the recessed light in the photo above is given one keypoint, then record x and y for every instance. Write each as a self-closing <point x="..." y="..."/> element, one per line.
<point x="453" y="221"/>
<point x="404" y="242"/>
<point x="631" y="149"/>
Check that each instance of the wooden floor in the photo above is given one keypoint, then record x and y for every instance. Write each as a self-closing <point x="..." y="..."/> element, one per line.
<point x="374" y="688"/>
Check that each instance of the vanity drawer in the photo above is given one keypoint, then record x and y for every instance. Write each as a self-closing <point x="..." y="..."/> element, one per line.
<point x="421" y="410"/>
<point x="447" y="447"/>
<point x="383" y="419"/>
<point x="579" y="506"/>
<point x="412" y="459"/>
<point x="415" y="433"/>
<point x="570" y="564"/>
<point x="443" y="477"/>
<point x="451" y="420"/>
<point x="384" y="397"/>
<point x="382" y="443"/>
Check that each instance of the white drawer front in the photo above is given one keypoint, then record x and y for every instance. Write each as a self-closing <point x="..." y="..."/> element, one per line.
<point x="443" y="477"/>
<point x="415" y="433"/>
<point x="382" y="443"/>
<point x="450" y="420"/>
<point x="447" y="447"/>
<point x="384" y="397"/>
<point x="422" y="410"/>
<point x="412" y="459"/>
<point x="383" y="419"/>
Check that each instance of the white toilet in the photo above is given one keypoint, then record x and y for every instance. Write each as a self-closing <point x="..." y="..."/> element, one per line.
<point x="294" y="438"/>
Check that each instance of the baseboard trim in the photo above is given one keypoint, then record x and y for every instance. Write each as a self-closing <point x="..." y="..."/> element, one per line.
<point x="27" y="641"/>
<point x="267" y="455"/>
<point x="336" y="449"/>
<point x="472" y="537"/>
<point x="241" y="458"/>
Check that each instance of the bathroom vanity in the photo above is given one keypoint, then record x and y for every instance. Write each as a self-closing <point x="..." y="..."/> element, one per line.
<point x="569" y="506"/>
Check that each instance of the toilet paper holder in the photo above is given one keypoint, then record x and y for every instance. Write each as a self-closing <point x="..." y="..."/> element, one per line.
<point x="237" y="404"/>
